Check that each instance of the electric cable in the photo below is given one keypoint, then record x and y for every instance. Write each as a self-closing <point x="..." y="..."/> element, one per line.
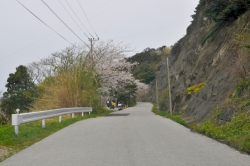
<point x="72" y="18"/>
<point x="101" y="6"/>
<point x="11" y="54"/>
<point x="87" y="18"/>
<point x="78" y="18"/>
<point x="64" y="22"/>
<point x="2" y="63"/>
<point x="44" y="22"/>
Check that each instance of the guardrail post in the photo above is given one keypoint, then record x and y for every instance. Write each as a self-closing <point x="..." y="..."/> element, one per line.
<point x="16" y="121"/>
<point x="16" y="130"/>
<point x="43" y="123"/>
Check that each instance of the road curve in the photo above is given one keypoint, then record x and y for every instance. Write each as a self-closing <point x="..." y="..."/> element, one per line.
<point x="131" y="137"/>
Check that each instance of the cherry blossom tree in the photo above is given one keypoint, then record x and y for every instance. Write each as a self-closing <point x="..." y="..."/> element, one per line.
<point x="142" y="89"/>
<point x="111" y="65"/>
<point x="106" y="59"/>
<point x="58" y="61"/>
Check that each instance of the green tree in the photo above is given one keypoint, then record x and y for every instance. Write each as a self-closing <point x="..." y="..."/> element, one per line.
<point x="20" y="93"/>
<point x="225" y="9"/>
<point x="144" y="72"/>
<point x="127" y="94"/>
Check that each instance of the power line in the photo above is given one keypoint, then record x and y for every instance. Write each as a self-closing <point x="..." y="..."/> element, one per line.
<point x="3" y="64"/>
<point x="9" y="55"/>
<point x="101" y="6"/>
<point x="87" y="18"/>
<point x="72" y="18"/>
<point x="78" y="17"/>
<point x="43" y="22"/>
<point x="63" y="22"/>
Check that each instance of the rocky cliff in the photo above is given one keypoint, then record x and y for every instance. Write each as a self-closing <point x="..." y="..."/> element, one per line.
<point x="210" y="54"/>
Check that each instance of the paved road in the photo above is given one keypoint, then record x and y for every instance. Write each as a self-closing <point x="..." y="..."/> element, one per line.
<point x="131" y="137"/>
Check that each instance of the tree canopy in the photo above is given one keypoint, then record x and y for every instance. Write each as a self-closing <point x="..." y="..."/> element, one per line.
<point x="148" y="62"/>
<point x="20" y="93"/>
<point x="225" y="9"/>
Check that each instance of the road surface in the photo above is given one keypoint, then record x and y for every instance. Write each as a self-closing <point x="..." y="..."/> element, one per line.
<point x="131" y="137"/>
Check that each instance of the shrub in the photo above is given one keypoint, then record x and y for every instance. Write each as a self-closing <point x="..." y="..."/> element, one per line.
<point x="212" y="31"/>
<point x="225" y="10"/>
<point x="195" y="88"/>
<point x="241" y="86"/>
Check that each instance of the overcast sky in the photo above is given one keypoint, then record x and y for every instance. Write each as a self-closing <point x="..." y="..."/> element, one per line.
<point x="139" y="23"/>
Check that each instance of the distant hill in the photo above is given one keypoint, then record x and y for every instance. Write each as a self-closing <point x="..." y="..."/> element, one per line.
<point x="148" y="63"/>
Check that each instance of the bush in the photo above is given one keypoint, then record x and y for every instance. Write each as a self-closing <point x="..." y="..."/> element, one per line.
<point x="212" y="31"/>
<point x="225" y="10"/>
<point x="163" y="99"/>
<point x="195" y="88"/>
<point x="235" y="133"/>
<point x="175" y="118"/>
<point x="241" y="86"/>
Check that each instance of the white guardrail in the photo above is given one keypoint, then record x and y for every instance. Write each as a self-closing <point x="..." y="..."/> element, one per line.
<point x="42" y="115"/>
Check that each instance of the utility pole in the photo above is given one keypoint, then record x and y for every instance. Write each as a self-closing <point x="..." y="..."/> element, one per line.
<point x="169" y="88"/>
<point x="157" y="102"/>
<point x="90" y="56"/>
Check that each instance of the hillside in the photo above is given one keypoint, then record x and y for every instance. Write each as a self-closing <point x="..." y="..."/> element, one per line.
<point x="148" y="63"/>
<point x="213" y="53"/>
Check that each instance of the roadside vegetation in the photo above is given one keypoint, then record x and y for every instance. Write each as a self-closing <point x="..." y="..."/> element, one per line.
<point x="166" y="114"/>
<point x="73" y="77"/>
<point x="234" y="130"/>
<point x="30" y="133"/>
<point x="221" y="12"/>
<point x="148" y="62"/>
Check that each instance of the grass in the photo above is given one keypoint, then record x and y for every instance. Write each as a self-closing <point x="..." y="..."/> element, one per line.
<point x="30" y="133"/>
<point x="212" y="31"/>
<point x="175" y="118"/>
<point x="235" y="133"/>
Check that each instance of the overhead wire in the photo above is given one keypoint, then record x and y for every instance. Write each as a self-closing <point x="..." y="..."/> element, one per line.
<point x="122" y="1"/>
<point x="64" y="22"/>
<point x="73" y="18"/>
<point x="101" y="6"/>
<point x="44" y="22"/>
<point x="4" y="63"/>
<point x="87" y="18"/>
<point x="78" y="18"/>
<point x="11" y="54"/>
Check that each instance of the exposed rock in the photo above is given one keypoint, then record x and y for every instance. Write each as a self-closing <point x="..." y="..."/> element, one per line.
<point x="192" y="63"/>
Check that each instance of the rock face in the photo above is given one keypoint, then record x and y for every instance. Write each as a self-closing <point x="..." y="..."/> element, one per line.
<point x="192" y="63"/>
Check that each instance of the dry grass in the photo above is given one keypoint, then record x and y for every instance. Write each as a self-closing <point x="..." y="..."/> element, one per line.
<point x="72" y="88"/>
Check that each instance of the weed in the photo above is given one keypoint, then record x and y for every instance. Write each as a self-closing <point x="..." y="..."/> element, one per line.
<point x="241" y="86"/>
<point x="212" y="31"/>
<point x="175" y="118"/>
<point x="235" y="133"/>
<point x="30" y="133"/>
<point x="195" y="88"/>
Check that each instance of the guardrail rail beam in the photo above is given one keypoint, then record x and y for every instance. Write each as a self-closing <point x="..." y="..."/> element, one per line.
<point x="18" y="119"/>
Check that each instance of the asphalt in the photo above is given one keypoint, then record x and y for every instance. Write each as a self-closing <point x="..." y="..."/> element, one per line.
<point x="131" y="137"/>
